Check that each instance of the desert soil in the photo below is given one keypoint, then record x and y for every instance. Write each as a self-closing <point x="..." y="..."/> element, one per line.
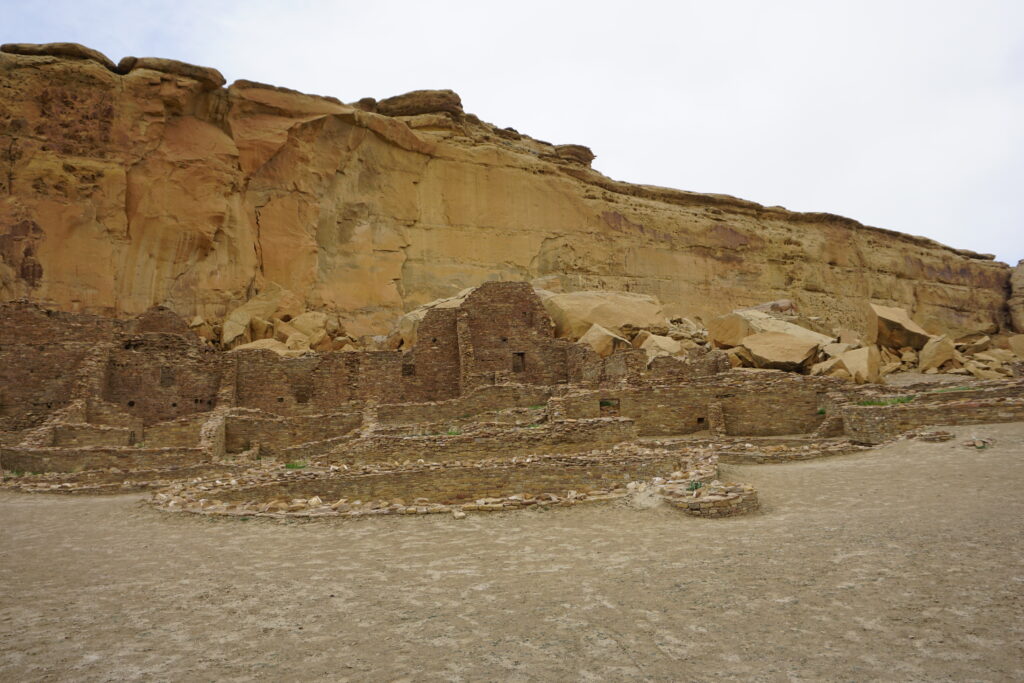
<point x="903" y="563"/>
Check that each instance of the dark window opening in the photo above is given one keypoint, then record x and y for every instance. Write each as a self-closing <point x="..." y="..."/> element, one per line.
<point x="504" y="340"/>
<point x="700" y="420"/>
<point x="518" y="362"/>
<point x="609" y="407"/>
<point x="280" y="400"/>
<point x="131" y="404"/>
<point x="408" y="370"/>
<point x="174" y="405"/>
<point x="303" y="396"/>
<point x="434" y="340"/>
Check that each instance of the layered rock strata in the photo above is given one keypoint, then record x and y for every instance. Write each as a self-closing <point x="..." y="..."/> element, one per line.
<point x="148" y="183"/>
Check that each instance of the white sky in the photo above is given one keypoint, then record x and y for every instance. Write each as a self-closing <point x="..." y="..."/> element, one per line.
<point x="902" y="114"/>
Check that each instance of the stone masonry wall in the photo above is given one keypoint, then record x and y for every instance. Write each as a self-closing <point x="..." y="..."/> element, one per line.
<point x="753" y="403"/>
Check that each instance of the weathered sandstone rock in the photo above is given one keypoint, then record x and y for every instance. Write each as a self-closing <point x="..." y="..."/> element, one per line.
<point x="656" y="346"/>
<point x="155" y="187"/>
<point x="733" y="328"/>
<point x="780" y="351"/>
<point x="830" y="367"/>
<point x="937" y="351"/>
<point x="421" y="102"/>
<point x="1016" y="302"/>
<point x="863" y="364"/>
<point x="603" y="341"/>
<point x="273" y="302"/>
<point x="1016" y="343"/>
<point x="893" y="328"/>
<point x="623" y="313"/>
<point x="211" y="79"/>
<point x="274" y="345"/>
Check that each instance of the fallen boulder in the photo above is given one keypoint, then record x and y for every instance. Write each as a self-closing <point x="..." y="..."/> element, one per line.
<point x="622" y="313"/>
<point x="937" y="351"/>
<point x="731" y="329"/>
<point x="863" y="364"/>
<point x="893" y="328"/>
<point x="780" y="351"/>
<point x="273" y="302"/>
<point x="603" y="341"/>
<point x="656" y="346"/>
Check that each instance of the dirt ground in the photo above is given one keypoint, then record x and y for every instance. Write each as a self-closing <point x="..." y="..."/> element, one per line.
<point x="904" y="563"/>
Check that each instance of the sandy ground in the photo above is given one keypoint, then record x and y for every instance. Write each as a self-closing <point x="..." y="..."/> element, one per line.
<point x="905" y="563"/>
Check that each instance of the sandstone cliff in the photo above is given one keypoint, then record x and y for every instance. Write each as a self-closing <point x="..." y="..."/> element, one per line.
<point x="145" y="183"/>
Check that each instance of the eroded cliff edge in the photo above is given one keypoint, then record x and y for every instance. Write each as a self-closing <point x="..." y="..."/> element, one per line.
<point x="123" y="187"/>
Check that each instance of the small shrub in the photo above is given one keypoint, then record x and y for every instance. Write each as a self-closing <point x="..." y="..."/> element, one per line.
<point x="606" y="403"/>
<point x="453" y="432"/>
<point x="294" y="465"/>
<point x="821" y="411"/>
<point x="694" y="485"/>
<point x="539" y="406"/>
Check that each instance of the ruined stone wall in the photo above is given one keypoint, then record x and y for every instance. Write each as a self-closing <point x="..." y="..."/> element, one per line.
<point x="274" y="434"/>
<point x="758" y="403"/>
<point x="484" y="399"/>
<point x="160" y="377"/>
<point x="507" y="335"/>
<point x="875" y="424"/>
<point x="564" y="436"/>
<point x="76" y="459"/>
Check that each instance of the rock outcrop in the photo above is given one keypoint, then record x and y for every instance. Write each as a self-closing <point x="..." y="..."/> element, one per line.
<point x="147" y="183"/>
<point x="1016" y="301"/>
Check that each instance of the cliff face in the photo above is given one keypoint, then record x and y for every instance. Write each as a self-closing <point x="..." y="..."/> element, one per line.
<point x="119" y="191"/>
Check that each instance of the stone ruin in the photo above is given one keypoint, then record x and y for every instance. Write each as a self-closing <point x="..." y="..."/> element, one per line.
<point x="487" y="410"/>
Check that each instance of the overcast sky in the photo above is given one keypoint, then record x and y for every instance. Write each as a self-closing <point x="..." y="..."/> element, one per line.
<point x="906" y="115"/>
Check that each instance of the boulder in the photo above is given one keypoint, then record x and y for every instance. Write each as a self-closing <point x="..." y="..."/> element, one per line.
<point x="297" y="342"/>
<point x="937" y="351"/>
<point x="740" y="357"/>
<point x="684" y="328"/>
<point x="321" y="341"/>
<point x="656" y="345"/>
<point x="603" y="341"/>
<point x="1016" y="301"/>
<point x="829" y="367"/>
<point x="277" y="347"/>
<point x="209" y="78"/>
<point x="1016" y="343"/>
<point x="284" y="330"/>
<point x="846" y="336"/>
<point x="981" y="372"/>
<point x="260" y="328"/>
<point x="309" y="323"/>
<point x="202" y="329"/>
<point x="836" y="349"/>
<point x="780" y="351"/>
<point x="893" y="328"/>
<point x="730" y="329"/>
<point x="273" y="302"/>
<point x="972" y="343"/>
<point x="863" y="364"/>
<point x="70" y="50"/>
<point x="622" y="313"/>
<point x="421" y="102"/>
